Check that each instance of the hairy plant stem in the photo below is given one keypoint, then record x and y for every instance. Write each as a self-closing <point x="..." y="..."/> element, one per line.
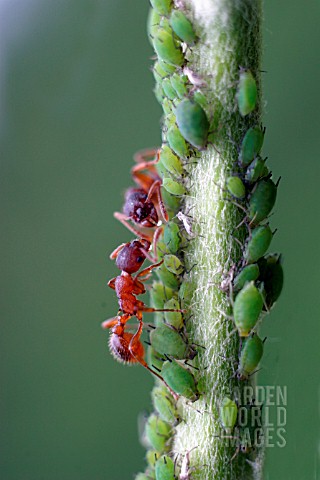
<point x="229" y="38"/>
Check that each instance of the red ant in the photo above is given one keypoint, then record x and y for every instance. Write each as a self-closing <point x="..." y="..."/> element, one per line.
<point x="139" y="206"/>
<point x="127" y="347"/>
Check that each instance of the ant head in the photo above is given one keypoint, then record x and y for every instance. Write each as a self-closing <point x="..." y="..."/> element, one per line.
<point x="131" y="257"/>
<point x="139" y="209"/>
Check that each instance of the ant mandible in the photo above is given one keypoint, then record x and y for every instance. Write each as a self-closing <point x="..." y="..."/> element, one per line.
<point x="125" y="346"/>
<point x="139" y="205"/>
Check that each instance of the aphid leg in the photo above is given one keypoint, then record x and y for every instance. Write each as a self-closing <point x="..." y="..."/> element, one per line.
<point x="125" y="221"/>
<point x="235" y="454"/>
<point x="229" y="317"/>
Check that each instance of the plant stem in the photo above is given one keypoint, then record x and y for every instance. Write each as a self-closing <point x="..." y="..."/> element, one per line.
<point x="229" y="38"/>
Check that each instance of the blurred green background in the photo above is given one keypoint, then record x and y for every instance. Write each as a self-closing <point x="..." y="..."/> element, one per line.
<point x="76" y="102"/>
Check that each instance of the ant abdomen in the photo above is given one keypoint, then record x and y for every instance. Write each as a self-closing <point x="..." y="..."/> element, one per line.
<point x="119" y="347"/>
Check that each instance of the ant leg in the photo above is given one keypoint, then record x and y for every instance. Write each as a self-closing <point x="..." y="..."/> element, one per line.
<point x="136" y="340"/>
<point x="112" y="283"/>
<point x="156" y="235"/>
<point x="150" y="309"/>
<point x="124" y="220"/>
<point x="147" y="270"/>
<point x="115" y="252"/>
<point x="142" y="179"/>
<point x="155" y="189"/>
<point x="118" y="320"/>
<point x="111" y="322"/>
<point x="142" y="155"/>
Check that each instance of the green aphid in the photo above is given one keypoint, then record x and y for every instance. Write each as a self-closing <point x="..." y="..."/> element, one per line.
<point x="153" y="23"/>
<point x="173" y="187"/>
<point x="169" y="121"/>
<point x="246" y="93"/>
<point x="271" y="274"/>
<point x="179" y="83"/>
<point x="228" y="414"/>
<point x="175" y="319"/>
<point x="161" y="249"/>
<point x="172" y="202"/>
<point x="158" y="72"/>
<point x="200" y="98"/>
<point x="193" y="123"/>
<point x="168" y="89"/>
<point x="256" y="170"/>
<point x="150" y="473"/>
<point x="182" y="27"/>
<point x="163" y="7"/>
<point x="164" y="468"/>
<point x="154" y="359"/>
<point x="173" y="264"/>
<point x="164" y="405"/>
<point x="250" y="422"/>
<point x="170" y="161"/>
<point x="167" y="278"/>
<point x="186" y="292"/>
<point x="167" y="341"/>
<point x="151" y="457"/>
<point x="166" y="67"/>
<point x="171" y="237"/>
<point x="159" y="93"/>
<point x="158" y="433"/>
<point x="236" y="187"/>
<point x="167" y="48"/>
<point x="158" y="79"/>
<point x="180" y="380"/>
<point x="177" y="142"/>
<point x="248" y="274"/>
<point x="165" y="25"/>
<point x="250" y="356"/>
<point x="258" y="243"/>
<point x="247" y="309"/>
<point x="262" y="200"/>
<point x="161" y="169"/>
<point x="251" y="145"/>
<point x="167" y="105"/>
<point x="159" y="294"/>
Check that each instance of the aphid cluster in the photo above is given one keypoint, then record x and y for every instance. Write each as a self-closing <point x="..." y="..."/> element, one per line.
<point x="258" y="279"/>
<point x="152" y="211"/>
